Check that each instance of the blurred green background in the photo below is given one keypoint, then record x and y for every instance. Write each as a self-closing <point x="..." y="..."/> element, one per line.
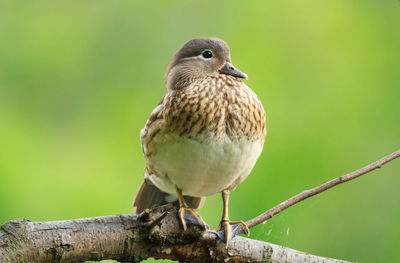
<point x="78" y="80"/>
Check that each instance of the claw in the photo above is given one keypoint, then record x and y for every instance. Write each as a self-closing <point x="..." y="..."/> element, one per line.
<point x="189" y="216"/>
<point x="228" y="230"/>
<point x="242" y="227"/>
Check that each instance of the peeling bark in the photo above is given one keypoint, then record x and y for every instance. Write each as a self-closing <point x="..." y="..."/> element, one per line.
<point x="132" y="238"/>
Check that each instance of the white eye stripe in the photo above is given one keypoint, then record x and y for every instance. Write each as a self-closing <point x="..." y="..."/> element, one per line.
<point x="199" y="56"/>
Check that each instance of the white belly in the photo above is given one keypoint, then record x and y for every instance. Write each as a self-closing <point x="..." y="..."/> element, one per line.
<point x="202" y="168"/>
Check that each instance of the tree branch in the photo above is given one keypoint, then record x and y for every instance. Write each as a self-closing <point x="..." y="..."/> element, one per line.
<point x="156" y="233"/>
<point x="132" y="238"/>
<point x="308" y="193"/>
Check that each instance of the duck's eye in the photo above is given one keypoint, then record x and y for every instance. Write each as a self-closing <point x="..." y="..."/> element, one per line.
<point x="207" y="54"/>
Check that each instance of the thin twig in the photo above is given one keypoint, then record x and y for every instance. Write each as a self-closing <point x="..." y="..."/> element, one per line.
<point x="308" y="193"/>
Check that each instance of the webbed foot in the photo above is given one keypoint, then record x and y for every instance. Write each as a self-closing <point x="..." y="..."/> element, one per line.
<point x="189" y="216"/>
<point x="228" y="230"/>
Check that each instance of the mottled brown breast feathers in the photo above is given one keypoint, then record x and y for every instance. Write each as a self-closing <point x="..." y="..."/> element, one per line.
<point x="216" y="106"/>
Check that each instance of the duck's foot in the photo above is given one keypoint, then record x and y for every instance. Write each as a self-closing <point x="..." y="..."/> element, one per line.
<point x="189" y="217"/>
<point x="228" y="230"/>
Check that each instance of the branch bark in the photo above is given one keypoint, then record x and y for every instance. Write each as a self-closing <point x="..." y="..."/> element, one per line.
<point x="132" y="238"/>
<point x="156" y="233"/>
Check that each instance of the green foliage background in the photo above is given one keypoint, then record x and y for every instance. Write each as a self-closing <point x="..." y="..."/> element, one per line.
<point x="78" y="80"/>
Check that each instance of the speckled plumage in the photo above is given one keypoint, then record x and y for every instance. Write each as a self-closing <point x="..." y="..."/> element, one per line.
<point x="218" y="112"/>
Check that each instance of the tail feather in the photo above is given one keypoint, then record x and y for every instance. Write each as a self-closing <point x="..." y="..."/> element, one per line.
<point x="149" y="196"/>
